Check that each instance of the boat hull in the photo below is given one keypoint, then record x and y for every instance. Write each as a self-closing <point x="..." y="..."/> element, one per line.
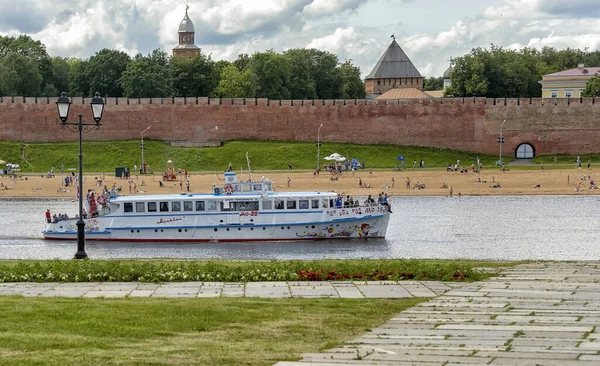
<point x="100" y="229"/>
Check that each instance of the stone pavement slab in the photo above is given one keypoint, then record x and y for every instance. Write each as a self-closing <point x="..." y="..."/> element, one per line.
<point x="299" y="289"/>
<point x="531" y="314"/>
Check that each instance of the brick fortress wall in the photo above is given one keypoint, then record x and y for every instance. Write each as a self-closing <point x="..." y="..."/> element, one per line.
<point x="470" y="124"/>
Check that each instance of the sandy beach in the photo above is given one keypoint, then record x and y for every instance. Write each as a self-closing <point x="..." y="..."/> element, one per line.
<point x="512" y="182"/>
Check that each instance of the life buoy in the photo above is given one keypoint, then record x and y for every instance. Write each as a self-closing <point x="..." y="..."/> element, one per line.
<point x="228" y="188"/>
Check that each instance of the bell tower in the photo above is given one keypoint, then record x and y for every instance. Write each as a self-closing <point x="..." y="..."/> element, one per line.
<point x="186" y="47"/>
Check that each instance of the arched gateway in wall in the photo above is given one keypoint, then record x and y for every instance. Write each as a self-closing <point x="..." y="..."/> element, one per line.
<point x="525" y="151"/>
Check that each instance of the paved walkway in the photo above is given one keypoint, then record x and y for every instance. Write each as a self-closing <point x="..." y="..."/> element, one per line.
<point x="532" y="314"/>
<point x="346" y="289"/>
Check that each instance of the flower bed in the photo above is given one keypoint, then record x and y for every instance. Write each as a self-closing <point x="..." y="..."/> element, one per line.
<point x="232" y="271"/>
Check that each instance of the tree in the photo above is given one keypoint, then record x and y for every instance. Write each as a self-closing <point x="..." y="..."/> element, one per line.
<point x="50" y="91"/>
<point x="59" y="78"/>
<point x="33" y="50"/>
<point x="104" y="71"/>
<point x="79" y="85"/>
<point x="302" y="83"/>
<point x="19" y="75"/>
<point x="352" y="85"/>
<point x="468" y="78"/>
<point x="242" y="61"/>
<point x="236" y="84"/>
<point x="328" y="81"/>
<point x="592" y="87"/>
<point x="197" y="76"/>
<point x="148" y="76"/>
<point x="433" y="83"/>
<point x="273" y="74"/>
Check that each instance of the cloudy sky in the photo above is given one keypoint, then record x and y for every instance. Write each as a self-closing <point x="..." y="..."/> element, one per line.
<point x="429" y="31"/>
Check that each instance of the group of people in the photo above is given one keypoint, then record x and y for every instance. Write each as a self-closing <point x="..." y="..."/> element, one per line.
<point x="347" y="201"/>
<point x="55" y="218"/>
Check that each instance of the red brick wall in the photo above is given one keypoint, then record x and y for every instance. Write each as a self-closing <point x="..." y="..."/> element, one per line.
<point x="463" y="124"/>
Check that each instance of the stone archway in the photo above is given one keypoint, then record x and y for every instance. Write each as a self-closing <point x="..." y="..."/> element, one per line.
<point x="525" y="151"/>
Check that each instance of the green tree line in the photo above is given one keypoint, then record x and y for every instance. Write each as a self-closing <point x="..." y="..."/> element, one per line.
<point x="502" y="73"/>
<point x="26" y="69"/>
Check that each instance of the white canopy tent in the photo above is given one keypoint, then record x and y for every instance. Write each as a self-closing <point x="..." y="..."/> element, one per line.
<point x="336" y="157"/>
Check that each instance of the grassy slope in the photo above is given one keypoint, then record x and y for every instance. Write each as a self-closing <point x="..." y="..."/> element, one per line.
<point x="264" y="155"/>
<point x="230" y="331"/>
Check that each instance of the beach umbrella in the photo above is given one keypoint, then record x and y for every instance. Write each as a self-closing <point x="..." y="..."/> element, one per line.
<point x="336" y="157"/>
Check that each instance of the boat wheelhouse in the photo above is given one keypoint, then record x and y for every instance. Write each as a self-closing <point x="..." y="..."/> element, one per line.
<point x="237" y="211"/>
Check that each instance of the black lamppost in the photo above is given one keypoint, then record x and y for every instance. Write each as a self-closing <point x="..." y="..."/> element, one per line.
<point x="64" y="104"/>
<point x="319" y="147"/>
<point x="501" y="141"/>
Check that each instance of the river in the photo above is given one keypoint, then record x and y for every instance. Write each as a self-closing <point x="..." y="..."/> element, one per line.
<point x="486" y="227"/>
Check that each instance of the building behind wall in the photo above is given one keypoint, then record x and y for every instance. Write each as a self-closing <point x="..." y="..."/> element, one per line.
<point x="186" y="47"/>
<point x="567" y="83"/>
<point x="394" y="70"/>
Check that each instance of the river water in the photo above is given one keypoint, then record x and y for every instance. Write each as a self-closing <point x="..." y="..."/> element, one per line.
<point x="486" y="227"/>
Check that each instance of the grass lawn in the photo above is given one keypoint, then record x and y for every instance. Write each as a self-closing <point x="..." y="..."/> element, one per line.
<point x="231" y="331"/>
<point x="106" y="155"/>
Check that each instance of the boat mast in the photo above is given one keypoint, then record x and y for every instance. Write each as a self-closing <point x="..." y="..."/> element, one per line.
<point x="249" y="169"/>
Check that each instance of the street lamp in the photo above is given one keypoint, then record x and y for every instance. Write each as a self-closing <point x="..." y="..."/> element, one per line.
<point x="501" y="141"/>
<point x="319" y="147"/>
<point x="142" y="166"/>
<point x="64" y="104"/>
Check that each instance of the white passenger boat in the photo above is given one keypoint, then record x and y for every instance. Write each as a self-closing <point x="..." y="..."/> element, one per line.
<point x="236" y="212"/>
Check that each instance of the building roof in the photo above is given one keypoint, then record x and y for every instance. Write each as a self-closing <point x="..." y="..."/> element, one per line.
<point x="580" y="71"/>
<point x="186" y="46"/>
<point x="435" y="93"/>
<point x="186" y="25"/>
<point x="404" y="93"/>
<point x="448" y="73"/>
<point x="394" y="64"/>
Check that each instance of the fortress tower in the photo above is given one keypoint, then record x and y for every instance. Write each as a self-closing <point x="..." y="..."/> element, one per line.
<point x="394" y="70"/>
<point x="186" y="47"/>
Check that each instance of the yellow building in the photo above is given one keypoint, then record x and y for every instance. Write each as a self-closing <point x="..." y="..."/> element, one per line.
<point x="567" y="83"/>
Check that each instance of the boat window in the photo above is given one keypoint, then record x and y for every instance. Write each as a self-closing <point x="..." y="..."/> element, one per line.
<point x="245" y="206"/>
<point x="200" y="206"/>
<point x="267" y="205"/>
<point x="176" y="206"/>
<point x="164" y="206"/>
<point x="257" y="187"/>
<point x="211" y="205"/>
<point x="188" y="206"/>
<point x="225" y="206"/>
<point x="332" y="203"/>
<point x="279" y="204"/>
<point x="303" y="204"/>
<point x="140" y="207"/>
<point x="325" y="204"/>
<point x="314" y="203"/>
<point x="151" y="206"/>
<point x="128" y="207"/>
<point x="291" y="205"/>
